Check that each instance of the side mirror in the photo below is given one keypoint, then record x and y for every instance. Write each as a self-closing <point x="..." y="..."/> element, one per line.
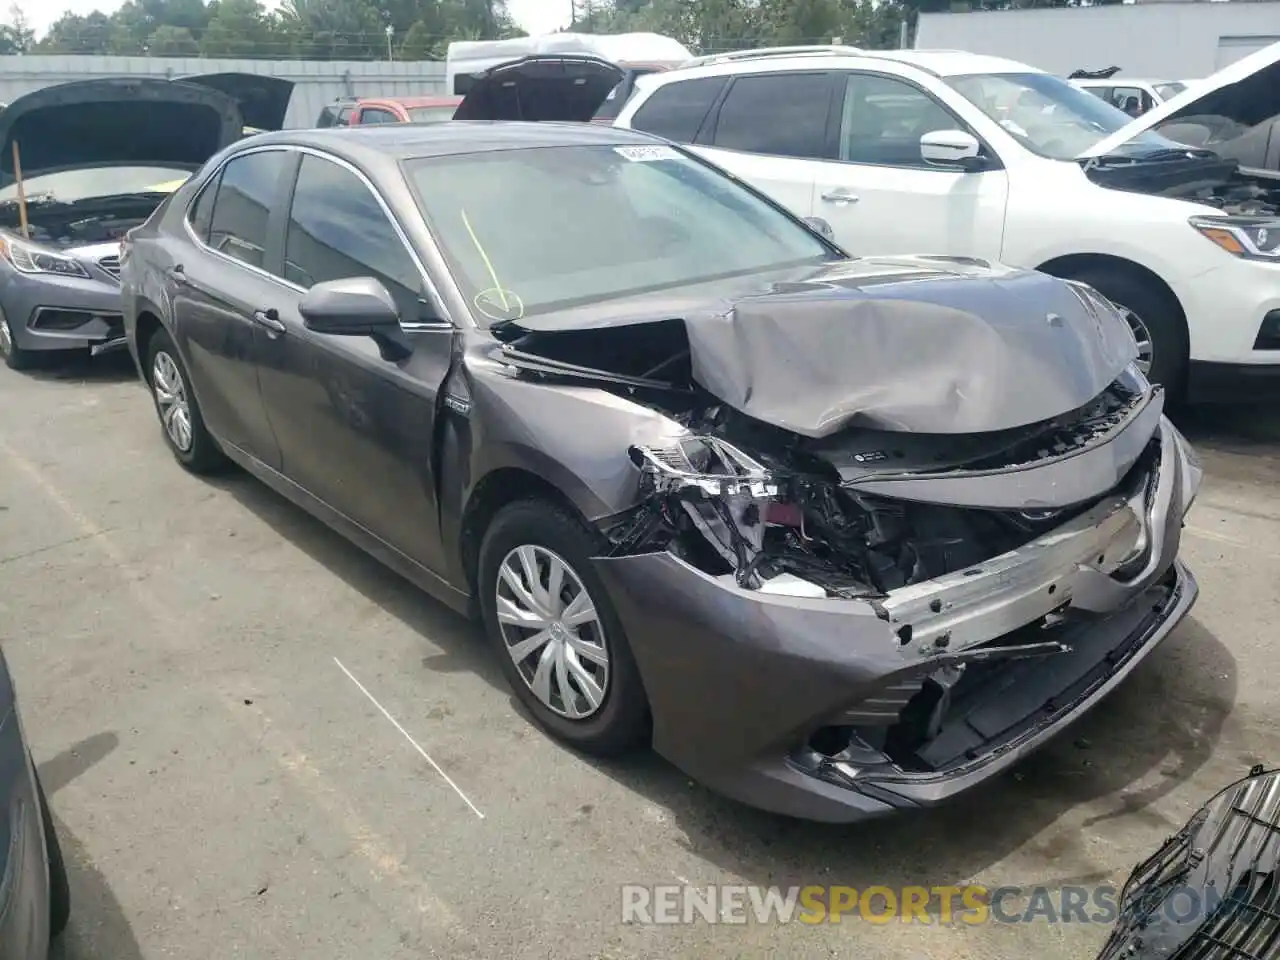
<point x="820" y="226"/>
<point x="356" y="307"/>
<point x="951" y="148"/>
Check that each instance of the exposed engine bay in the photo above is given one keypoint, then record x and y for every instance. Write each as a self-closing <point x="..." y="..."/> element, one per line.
<point x="1196" y="175"/>
<point x="781" y="513"/>
<point x="65" y="225"/>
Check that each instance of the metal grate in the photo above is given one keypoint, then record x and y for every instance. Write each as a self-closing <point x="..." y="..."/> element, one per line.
<point x="1212" y="892"/>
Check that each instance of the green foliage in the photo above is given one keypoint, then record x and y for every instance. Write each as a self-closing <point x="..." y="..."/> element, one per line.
<point x="422" y="29"/>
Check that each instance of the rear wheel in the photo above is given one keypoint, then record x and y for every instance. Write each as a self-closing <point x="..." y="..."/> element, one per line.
<point x="556" y="633"/>
<point x="1155" y="318"/>
<point x="184" y="429"/>
<point x="59" y="885"/>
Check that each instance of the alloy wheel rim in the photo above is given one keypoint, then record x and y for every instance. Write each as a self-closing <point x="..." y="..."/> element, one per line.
<point x="6" y="337"/>
<point x="171" y="400"/>
<point x="552" y="631"/>
<point x="1146" y="348"/>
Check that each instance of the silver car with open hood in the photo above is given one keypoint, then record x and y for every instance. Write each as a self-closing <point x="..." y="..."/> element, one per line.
<point x="83" y="162"/>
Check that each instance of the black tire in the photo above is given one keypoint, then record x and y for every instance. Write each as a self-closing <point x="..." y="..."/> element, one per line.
<point x="15" y="358"/>
<point x="621" y="723"/>
<point x="202" y="455"/>
<point x="59" y="885"/>
<point x="1158" y="311"/>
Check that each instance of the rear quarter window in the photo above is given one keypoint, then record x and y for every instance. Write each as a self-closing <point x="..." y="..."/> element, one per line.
<point x="676" y="111"/>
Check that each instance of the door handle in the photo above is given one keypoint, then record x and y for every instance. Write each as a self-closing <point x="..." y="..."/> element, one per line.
<point x="840" y="197"/>
<point x="178" y="275"/>
<point x="270" y="319"/>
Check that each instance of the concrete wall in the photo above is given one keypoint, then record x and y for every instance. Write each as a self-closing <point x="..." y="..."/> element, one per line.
<point x="316" y="82"/>
<point x="1185" y="40"/>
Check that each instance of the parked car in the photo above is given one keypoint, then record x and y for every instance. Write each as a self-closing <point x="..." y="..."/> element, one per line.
<point x="97" y="157"/>
<point x="966" y="155"/>
<point x="35" y="895"/>
<point x="907" y="517"/>
<point x="1135" y="96"/>
<point x="1235" y="113"/>
<point x="355" y="112"/>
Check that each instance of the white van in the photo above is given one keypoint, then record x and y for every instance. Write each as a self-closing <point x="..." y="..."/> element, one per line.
<point x="637" y="54"/>
<point x="1174" y="216"/>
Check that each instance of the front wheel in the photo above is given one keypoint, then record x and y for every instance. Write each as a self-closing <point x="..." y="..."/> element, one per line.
<point x="555" y="631"/>
<point x="59" y="884"/>
<point x="1154" y="317"/>
<point x="184" y="429"/>
<point x="15" y="358"/>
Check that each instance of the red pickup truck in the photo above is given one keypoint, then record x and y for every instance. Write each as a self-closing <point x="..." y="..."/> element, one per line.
<point x="358" y="111"/>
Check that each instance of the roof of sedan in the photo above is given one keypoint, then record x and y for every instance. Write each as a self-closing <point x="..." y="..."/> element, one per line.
<point x="406" y="141"/>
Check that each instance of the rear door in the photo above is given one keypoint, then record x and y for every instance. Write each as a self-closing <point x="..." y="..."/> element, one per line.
<point x="879" y="194"/>
<point x="219" y="286"/>
<point x="356" y="430"/>
<point x="768" y="128"/>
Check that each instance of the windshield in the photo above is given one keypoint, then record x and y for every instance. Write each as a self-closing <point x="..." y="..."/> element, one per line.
<point x="534" y="230"/>
<point x="430" y="114"/>
<point x="1167" y="91"/>
<point x="1050" y="116"/>
<point x="68" y="186"/>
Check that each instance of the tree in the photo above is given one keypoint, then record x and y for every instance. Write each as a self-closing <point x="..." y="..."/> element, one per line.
<point x="171" y="41"/>
<point x="420" y="44"/>
<point x="236" y="28"/>
<point x="16" y="36"/>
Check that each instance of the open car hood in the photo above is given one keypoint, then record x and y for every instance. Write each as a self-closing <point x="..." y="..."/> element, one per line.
<point x="263" y="101"/>
<point x="140" y="121"/>
<point x="905" y="344"/>
<point x="1218" y="113"/>
<point x="552" y="87"/>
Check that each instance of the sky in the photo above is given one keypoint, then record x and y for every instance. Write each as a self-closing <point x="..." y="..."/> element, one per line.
<point x="535" y="16"/>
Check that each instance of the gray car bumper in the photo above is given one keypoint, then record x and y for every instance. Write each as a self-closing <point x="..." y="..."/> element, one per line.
<point x="740" y="684"/>
<point x="48" y="312"/>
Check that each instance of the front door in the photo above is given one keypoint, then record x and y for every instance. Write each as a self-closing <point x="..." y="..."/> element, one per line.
<point x="881" y="197"/>
<point x="218" y="286"/>
<point x="355" y="430"/>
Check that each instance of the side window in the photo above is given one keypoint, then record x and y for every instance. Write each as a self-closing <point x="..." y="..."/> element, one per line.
<point x="200" y="215"/>
<point x="344" y="117"/>
<point x="337" y="229"/>
<point x="238" y="226"/>
<point x="883" y="119"/>
<point x="1102" y="93"/>
<point x="676" y="110"/>
<point x="377" y="115"/>
<point x="326" y="118"/>
<point x="783" y="114"/>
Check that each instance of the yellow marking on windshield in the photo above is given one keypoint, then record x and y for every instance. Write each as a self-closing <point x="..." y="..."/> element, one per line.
<point x="167" y="187"/>
<point x="488" y="264"/>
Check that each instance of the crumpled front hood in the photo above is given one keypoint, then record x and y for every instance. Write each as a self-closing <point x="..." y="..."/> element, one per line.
<point x="908" y="344"/>
<point x="932" y="350"/>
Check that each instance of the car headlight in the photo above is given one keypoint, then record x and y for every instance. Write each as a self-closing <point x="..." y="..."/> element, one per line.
<point x="1253" y="238"/>
<point x="28" y="257"/>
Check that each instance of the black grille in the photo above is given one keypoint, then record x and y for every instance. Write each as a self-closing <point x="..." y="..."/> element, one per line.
<point x="111" y="265"/>
<point x="1212" y="892"/>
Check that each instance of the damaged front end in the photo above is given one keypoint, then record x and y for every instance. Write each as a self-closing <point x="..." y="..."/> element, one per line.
<point x="840" y="621"/>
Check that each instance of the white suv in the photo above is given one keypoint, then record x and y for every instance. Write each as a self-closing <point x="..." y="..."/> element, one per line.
<point x="944" y="152"/>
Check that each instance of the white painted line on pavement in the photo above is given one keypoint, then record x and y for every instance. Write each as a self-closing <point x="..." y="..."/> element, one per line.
<point x="396" y="723"/>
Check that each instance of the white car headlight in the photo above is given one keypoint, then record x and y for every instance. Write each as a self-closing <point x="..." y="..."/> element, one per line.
<point x="27" y="257"/>
<point x="1253" y="238"/>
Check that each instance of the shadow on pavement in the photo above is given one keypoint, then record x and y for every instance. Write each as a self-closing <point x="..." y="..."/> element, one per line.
<point x="98" y="927"/>
<point x="113" y="367"/>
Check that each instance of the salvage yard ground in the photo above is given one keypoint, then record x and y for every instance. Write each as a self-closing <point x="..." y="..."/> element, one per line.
<point x="225" y="788"/>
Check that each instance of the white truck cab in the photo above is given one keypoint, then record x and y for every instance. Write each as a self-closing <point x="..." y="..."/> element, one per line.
<point x="946" y="152"/>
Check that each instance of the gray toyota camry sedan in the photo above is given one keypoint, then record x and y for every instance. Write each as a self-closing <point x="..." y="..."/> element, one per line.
<point x="836" y="536"/>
